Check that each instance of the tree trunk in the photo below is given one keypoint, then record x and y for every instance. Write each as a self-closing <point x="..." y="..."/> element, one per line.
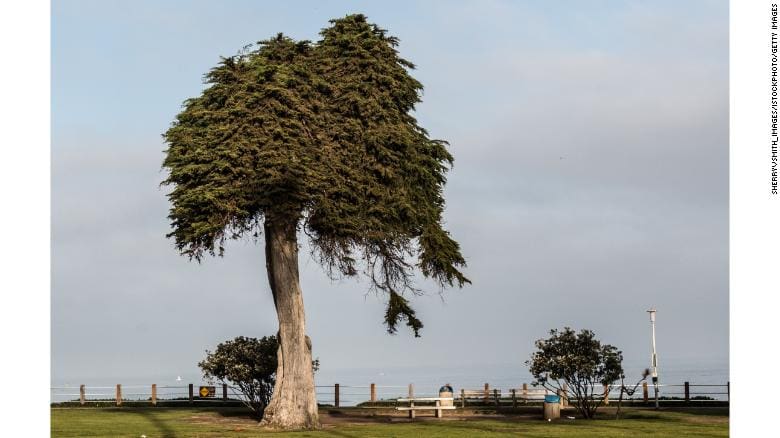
<point x="294" y="403"/>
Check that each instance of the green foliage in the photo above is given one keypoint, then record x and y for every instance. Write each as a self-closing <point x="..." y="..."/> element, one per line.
<point x="397" y="309"/>
<point x="581" y="362"/>
<point x="248" y="364"/>
<point x="241" y="150"/>
<point x="320" y="135"/>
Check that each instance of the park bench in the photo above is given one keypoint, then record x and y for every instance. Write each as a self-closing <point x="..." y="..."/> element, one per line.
<point x="435" y="407"/>
<point x="533" y="394"/>
<point x="486" y="395"/>
<point x="481" y="395"/>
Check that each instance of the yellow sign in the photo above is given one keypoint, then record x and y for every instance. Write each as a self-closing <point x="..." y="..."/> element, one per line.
<point x="207" y="391"/>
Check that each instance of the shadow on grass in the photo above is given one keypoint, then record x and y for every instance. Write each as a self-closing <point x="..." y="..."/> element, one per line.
<point x="485" y="427"/>
<point x="631" y="421"/>
<point x="156" y="417"/>
<point x="161" y="425"/>
<point x="714" y="411"/>
<point x="667" y="415"/>
<point x="237" y="412"/>
<point x="342" y="434"/>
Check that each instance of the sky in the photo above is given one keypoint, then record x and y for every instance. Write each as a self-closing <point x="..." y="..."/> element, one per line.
<point x="590" y="184"/>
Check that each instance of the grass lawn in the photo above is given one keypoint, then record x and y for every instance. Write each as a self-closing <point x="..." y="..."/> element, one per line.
<point x="232" y="422"/>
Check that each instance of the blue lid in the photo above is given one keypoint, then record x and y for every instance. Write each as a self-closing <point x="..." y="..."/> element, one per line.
<point x="552" y="399"/>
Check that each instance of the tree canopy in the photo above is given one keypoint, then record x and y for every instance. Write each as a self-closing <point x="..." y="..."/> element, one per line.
<point x="581" y="362"/>
<point x="320" y="135"/>
<point x="249" y="364"/>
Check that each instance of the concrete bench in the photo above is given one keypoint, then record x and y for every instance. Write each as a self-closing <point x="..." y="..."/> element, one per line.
<point x="437" y="407"/>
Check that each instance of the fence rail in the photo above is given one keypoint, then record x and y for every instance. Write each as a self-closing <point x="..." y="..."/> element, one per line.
<point x="339" y="395"/>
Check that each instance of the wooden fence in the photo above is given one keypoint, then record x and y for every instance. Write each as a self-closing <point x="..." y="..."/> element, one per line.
<point x="339" y="395"/>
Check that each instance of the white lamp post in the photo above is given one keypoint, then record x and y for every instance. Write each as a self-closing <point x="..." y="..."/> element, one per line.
<point x="654" y="358"/>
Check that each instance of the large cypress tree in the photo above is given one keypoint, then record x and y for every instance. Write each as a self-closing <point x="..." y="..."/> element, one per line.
<point x="314" y="138"/>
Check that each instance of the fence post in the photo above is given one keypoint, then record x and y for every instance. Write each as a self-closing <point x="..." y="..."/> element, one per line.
<point x="192" y="398"/>
<point x="118" y="394"/>
<point x="336" y="395"/>
<point x="525" y="393"/>
<point x="224" y="392"/>
<point x="154" y="394"/>
<point x="559" y="393"/>
<point x="728" y="392"/>
<point x="487" y="393"/>
<point x="373" y="392"/>
<point x="411" y="403"/>
<point x="645" y="394"/>
<point x="606" y="395"/>
<point x="514" y="398"/>
<point x="495" y="397"/>
<point x="462" y="398"/>
<point x="82" y="394"/>
<point x="687" y="393"/>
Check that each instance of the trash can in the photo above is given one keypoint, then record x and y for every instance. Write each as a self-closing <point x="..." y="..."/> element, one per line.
<point x="552" y="407"/>
<point x="446" y="391"/>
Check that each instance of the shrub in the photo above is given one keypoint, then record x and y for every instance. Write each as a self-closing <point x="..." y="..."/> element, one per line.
<point x="580" y="362"/>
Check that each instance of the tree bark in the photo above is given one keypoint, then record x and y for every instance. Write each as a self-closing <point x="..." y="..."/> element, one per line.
<point x="294" y="402"/>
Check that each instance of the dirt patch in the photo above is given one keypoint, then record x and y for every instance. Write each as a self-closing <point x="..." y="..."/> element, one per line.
<point x="706" y="419"/>
<point x="212" y="418"/>
<point x="335" y="418"/>
<point x="340" y="419"/>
